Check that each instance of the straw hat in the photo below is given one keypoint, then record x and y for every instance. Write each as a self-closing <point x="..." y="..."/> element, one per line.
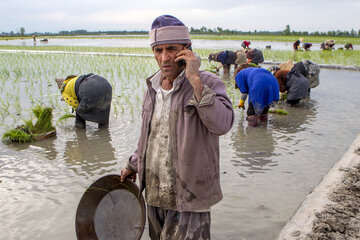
<point x="286" y="65"/>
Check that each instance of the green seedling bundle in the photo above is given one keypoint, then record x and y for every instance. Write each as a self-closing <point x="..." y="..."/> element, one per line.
<point x="29" y="132"/>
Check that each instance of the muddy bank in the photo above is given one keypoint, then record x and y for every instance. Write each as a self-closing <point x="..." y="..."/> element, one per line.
<point x="332" y="210"/>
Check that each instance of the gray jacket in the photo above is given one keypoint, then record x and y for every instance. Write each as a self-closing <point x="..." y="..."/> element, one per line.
<point x="297" y="85"/>
<point x="194" y="134"/>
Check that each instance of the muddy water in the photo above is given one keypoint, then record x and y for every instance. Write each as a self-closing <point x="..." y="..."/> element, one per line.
<point x="265" y="172"/>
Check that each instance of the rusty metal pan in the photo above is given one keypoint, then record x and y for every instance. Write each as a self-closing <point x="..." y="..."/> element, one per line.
<point x="111" y="209"/>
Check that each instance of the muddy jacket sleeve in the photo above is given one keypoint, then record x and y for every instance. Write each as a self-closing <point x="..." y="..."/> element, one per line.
<point x="133" y="162"/>
<point x="215" y="108"/>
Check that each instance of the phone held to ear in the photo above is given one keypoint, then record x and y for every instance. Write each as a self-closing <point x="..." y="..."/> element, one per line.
<point x="182" y="63"/>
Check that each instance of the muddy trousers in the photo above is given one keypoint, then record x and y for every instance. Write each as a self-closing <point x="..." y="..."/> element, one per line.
<point x="81" y="123"/>
<point x="253" y="119"/>
<point x="226" y="68"/>
<point x="173" y="225"/>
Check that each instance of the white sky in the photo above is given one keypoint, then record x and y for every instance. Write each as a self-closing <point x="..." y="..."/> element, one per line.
<point x="106" y="15"/>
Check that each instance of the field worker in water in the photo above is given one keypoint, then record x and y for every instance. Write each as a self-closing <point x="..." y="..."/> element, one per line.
<point x="254" y="56"/>
<point x="185" y="110"/>
<point x="262" y="88"/>
<point x="226" y="58"/>
<point x="294" y="84"/>
<point x="90" y="96"/>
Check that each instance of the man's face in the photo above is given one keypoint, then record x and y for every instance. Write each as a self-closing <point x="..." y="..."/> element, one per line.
<point x="165" y="56"/>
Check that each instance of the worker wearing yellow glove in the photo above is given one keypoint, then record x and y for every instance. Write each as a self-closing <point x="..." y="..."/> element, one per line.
<point x="262" y="88"/>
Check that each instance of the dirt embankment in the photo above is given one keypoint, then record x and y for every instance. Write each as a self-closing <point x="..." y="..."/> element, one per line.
<point x="332" y="210"/>
<point x="341" y="219"/>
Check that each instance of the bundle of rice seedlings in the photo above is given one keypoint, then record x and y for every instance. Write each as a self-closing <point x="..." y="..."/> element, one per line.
<point x="279" y="111"/>
<point x="29" y="132"/>
<point x="44" y="122"/>
<point x="17" y="135"/>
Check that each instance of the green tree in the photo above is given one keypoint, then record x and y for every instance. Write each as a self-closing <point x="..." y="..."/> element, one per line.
<point x="22" y="31"/>
<point x="287" y="30"/>
<point x="353" y="33"/>
<point x="203" y="29"/>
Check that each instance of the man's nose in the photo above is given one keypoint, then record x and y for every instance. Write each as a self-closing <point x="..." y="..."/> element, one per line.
<point x="165" y="56"/>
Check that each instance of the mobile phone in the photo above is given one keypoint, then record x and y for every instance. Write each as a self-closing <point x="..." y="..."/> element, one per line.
<point x="182" y="62"/>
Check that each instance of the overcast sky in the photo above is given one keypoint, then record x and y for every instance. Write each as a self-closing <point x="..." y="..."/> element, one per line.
<point x="106" y="15"/>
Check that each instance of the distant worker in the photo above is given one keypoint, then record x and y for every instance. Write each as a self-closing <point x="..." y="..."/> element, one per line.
<point x="327" y="45"/>
<point x="254" y="56"/>
<point x="263" y="91"/>
<point x="245" y="44"/>
<point x="226" y="58"/>
<point x="296" y="44"/>
<point x="307" y="46"/>
<point x="34" y="38"/>
<point x="348" y="46"/>
<point x="90" y="96"/>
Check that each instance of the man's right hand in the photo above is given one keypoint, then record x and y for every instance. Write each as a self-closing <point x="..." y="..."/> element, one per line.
<point x="127" y="173"/>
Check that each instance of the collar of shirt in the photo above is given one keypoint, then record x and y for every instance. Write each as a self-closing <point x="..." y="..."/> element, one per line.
<point x="156" y="83"/>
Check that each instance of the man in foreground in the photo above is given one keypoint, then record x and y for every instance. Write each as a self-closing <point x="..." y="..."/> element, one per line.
<point x="177" y="158"/>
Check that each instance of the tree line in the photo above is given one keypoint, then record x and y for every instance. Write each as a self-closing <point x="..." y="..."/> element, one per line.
<point x="285" y="32"/>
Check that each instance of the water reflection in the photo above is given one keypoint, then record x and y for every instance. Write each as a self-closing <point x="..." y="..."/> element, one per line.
<point x="44" y="147"/>
<point x="253" y="148"/>
<point x="90" y="152"/>
<point x="299" y="118"/>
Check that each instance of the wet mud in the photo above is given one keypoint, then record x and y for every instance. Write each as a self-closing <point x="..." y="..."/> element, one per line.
<point x="341" y="219"/>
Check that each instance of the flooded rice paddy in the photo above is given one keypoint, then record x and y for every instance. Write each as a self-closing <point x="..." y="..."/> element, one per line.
<point x="266" y="172"/>
<point x="134" y="42"/>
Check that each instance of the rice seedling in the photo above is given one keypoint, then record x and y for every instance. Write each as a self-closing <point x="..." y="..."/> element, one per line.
<point x="279" y="111"/>
<point x="27" y="79"/>
<point x="28" y="132"/>
<point x="64" y="117"/>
